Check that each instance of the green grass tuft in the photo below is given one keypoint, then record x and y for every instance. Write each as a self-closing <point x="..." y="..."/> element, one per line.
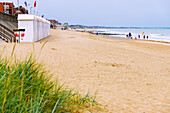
<point x="25" y="86"/>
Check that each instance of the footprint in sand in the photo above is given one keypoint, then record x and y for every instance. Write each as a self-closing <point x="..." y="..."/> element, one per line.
<point x="53" y="48"/>
<point x="108" y="64"/>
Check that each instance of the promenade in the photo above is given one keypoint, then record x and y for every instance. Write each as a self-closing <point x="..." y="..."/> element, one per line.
<point x="128" y="75"/>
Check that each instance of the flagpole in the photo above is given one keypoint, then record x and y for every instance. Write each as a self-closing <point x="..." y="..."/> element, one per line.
<point x="35" y="7"/>
<point x="26" y="5"/>
<point x="5" y="7"/>
<point x="18" y="5"/>
<point x="30" y="10"/>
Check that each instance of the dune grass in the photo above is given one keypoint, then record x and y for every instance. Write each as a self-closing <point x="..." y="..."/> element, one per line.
<point x="25" y="86"/>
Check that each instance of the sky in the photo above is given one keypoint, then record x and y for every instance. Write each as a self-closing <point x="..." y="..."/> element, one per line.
<point x="113" y="13"/>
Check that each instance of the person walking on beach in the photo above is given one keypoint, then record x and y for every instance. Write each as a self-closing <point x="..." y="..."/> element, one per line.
<point x="143" y="36"/>
<point x="130" y="35"/>
<point x="138" y="36"/>
<point x="147" y="37"/>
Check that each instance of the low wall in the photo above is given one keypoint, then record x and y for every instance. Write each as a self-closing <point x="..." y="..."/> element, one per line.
<point x="36" y="28"/>
<point x="7" y="17"/>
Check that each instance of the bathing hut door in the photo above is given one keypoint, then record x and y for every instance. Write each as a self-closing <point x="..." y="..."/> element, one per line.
<point x="38" y="32"/>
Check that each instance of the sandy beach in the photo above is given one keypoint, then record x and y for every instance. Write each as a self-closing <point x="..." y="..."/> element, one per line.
<point x="128" y="75"/>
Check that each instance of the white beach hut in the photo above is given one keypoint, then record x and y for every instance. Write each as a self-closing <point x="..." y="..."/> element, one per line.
<point x="36" y="28"/>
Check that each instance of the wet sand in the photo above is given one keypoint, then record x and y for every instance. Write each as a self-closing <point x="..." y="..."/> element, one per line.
<point x="128" y="75"/>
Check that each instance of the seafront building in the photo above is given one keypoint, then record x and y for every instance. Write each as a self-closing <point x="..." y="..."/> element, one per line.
<point x="20" y="10"/>
<point x="9" y="8"/>
<point x="56" y="25"/>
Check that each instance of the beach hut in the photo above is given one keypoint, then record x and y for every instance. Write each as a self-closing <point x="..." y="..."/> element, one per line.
<point x="36" y="28"/>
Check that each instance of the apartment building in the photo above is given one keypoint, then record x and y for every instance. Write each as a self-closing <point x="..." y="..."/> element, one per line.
<point x="6" y="7"/>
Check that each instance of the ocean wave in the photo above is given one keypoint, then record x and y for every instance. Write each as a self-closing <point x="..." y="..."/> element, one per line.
<point x="154" y="34"/>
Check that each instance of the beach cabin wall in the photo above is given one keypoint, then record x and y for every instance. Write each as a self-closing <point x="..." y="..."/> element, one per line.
<point x="36" y="28"/>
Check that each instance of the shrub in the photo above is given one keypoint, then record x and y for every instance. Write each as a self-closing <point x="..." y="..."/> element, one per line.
<point x="25" y="86"/>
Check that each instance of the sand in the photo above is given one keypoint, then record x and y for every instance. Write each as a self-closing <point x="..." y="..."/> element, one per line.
<point x="128" y="75"/>
<point x="1" y="41"/>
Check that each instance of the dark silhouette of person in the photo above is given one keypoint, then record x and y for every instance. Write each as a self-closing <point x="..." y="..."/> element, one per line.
<point x="139" y="36"/>
<point x="147" y="37"/>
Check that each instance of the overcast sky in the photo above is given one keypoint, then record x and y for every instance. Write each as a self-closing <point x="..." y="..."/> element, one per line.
<point x="140" y="13"/>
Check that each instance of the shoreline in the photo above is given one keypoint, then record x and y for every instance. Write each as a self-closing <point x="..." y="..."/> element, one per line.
<point x="128" y="76"/>
<point x="115" y="36"/>
<point x="143" y="40"/>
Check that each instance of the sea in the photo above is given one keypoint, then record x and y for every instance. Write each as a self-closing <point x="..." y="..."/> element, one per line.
<point x="156" y="34"/>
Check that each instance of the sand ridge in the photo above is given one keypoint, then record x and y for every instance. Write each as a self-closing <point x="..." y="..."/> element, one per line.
<point x="128" y="75"/>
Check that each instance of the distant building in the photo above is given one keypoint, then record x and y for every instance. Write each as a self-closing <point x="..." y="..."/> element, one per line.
<point x="62" y="27"/>
<point x="21" y="10"/>
<point x="66" y="24"/>
<point x="54" y="23"/>
<point x="6" y="7"/>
